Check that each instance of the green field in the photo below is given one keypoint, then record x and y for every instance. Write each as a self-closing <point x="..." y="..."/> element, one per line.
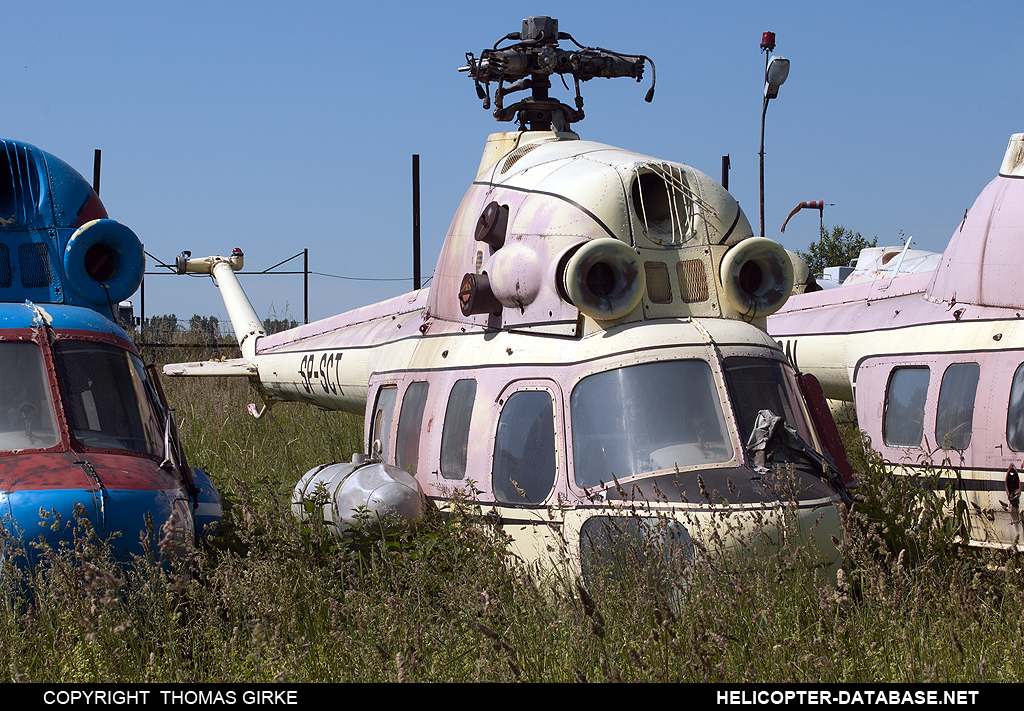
<point x="273" y="600"/>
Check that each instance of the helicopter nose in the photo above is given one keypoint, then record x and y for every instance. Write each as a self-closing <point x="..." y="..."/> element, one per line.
<point x="49" y="519"/>
<point x="48" y="498"/>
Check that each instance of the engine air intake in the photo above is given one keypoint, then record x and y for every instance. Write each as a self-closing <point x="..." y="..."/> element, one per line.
<point x="757" y="276"/>
<point x="104" y="262"/>
<point x="603" y="279"/>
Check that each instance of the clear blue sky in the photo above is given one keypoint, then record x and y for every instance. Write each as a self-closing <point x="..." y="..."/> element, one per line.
<point x="279" y="126"/>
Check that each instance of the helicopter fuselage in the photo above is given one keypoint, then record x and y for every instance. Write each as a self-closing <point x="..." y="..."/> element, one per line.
<point x="591" y="339"/>
<point x="934" y="361"/>
<point x="86" y="437"/>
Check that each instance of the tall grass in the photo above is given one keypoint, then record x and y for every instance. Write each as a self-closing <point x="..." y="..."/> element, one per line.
<point x="275" y="600"/>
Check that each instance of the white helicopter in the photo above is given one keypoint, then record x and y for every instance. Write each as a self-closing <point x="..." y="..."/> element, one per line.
<point x="593" y="337"/>
<point x="930" y="350"/>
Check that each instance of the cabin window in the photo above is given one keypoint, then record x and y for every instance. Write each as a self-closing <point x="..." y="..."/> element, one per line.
<point x="107" y="402"/>
<point x="1015" y="412"/>
<point x="646" y="418"/>
<point x="26" y="407"/>
<point x="955" y="415"/>
<point x="455" y="436"/>
<point x="903" y="422"/>
<point x="383" y="411"/>
<point x="524" y="449"/>
<point x="410" y="424"/>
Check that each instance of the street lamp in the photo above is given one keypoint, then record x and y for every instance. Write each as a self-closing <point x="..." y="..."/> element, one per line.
<point x="776" y="71"/>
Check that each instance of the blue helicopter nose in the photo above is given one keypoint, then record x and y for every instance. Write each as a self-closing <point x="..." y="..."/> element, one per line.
<point x="124" y="499"/>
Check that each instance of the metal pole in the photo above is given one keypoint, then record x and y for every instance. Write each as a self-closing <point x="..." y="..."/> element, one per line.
<point x="96" y="171"/>
<point x="761" y="154"/>
<point x="142" y="300"/>
<point x="764" y="110"/>
<point x="305" y="285"/>
<point x="725" y="171"/>
<point x="416" y="284"/>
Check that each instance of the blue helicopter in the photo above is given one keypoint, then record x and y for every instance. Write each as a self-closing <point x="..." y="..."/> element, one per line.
<point x="85" y="429"/>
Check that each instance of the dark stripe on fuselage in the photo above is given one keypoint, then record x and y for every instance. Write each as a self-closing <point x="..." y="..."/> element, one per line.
<point x="735" y="222"/>
<point x="563" y="198"/>
<point x="626" y="511"/>
<point x="771" y="347"/>
<point x="548" y="364"/>
<point x="880" y="329"/>
<point x="996" y="483"/>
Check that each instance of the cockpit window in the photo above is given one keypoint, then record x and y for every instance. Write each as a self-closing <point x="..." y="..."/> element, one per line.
<point x="20" y="193"/>
<point x="646" y="418"/>
<point x="27" y="418"/>
<point x="108" y="406"/>
<point x="757" y="384"/>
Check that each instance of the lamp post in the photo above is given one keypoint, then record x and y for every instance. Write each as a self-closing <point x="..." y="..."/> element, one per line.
<point x="776" y="70"/>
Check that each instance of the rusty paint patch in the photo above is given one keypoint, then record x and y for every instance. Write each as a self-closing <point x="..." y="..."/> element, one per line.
<point x="64" y="470"/>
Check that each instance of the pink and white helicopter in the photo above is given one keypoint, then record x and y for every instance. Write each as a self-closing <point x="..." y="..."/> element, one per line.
<point x="933" y="359"/>
<point x="593" y="337"/>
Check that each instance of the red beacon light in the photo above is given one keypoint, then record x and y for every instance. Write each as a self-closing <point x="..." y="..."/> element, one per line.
<point x="768" y="41"/>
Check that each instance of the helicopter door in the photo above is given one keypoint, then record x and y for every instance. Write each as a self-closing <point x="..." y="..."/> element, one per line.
<point x="380" y="427"/>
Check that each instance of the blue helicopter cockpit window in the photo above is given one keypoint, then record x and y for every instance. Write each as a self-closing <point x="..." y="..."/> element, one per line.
<point x="646" y="418"/>
<point x="107" y="401"/>
<point x="26" y="406"/>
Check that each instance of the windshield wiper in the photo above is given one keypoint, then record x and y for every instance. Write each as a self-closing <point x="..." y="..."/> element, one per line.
<point x="767" y="435"/>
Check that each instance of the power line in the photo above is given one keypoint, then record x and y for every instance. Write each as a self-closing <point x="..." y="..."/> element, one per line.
<point x="173" y="271"/>
<point x="337" y="276"/>
<point x="332" y="276"/>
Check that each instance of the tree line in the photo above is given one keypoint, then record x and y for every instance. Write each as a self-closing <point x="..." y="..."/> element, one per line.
<point x="168" y="328"/>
